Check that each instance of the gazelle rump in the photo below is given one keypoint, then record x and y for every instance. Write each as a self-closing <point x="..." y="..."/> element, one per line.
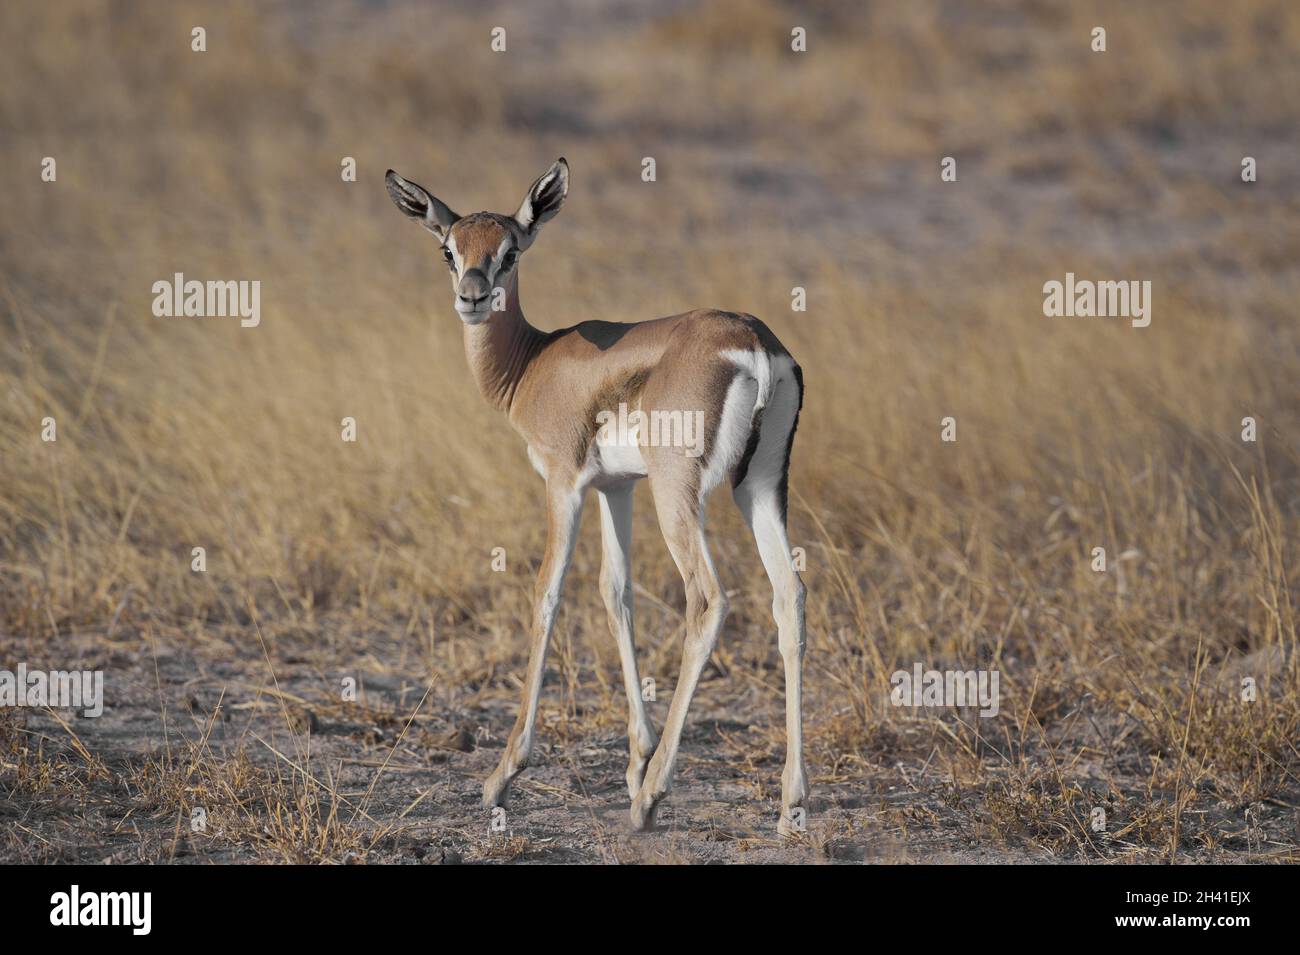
<point x="727" y="370"/>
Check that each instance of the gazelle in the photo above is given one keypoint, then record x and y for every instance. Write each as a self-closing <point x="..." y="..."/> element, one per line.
<point x="725" y="369"/>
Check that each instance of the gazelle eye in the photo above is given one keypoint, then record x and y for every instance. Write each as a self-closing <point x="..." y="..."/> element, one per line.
<point x="508" y="260"/>
<point x="451" y="261"/>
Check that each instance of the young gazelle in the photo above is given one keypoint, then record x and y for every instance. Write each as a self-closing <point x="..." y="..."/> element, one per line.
<point x="724" y="369"/>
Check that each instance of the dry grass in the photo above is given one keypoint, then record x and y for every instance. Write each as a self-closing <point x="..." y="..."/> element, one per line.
<point x="776" y="170"/>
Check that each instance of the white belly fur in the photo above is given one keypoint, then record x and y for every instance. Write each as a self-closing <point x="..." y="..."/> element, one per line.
<point x="613" y="463"/>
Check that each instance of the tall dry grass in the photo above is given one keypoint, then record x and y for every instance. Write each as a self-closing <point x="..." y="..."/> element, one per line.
<point x="775" y="170"/>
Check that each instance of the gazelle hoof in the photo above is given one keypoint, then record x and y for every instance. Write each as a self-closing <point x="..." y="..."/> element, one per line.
<point x="793" y="822"/>
<point x="495" y="791"/>
<point x="644" y="808"/>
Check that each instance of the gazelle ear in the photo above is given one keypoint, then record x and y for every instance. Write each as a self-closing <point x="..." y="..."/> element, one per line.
<point x="544" y="198"/>
<point x="418" y="203"/>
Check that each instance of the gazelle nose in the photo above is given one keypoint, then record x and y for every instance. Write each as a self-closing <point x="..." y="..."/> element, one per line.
<point x="473" y="287"/>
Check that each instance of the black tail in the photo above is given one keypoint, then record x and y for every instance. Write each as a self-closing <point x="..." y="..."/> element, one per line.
<point x="783" y="491"/>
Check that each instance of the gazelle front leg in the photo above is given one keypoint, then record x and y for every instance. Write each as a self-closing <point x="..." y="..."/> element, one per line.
<point x="564" y="510"/>
<point x="616" y="588"/>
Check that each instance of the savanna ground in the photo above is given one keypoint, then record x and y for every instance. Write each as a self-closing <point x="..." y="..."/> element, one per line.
<point x="776" y="169"/>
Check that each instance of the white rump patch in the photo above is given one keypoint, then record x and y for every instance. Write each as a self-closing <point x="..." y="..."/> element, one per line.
<point x="768" y="463"/>
<point x="748" y="394"/>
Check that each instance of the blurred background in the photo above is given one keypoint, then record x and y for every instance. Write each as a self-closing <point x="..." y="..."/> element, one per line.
<point x="775" y="169"/>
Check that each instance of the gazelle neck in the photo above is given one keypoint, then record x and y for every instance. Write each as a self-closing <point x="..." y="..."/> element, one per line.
<point x="500" y="349"/>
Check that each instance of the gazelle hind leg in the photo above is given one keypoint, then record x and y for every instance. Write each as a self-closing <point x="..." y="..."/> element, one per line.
<point x="680" y="483"/>
<point x="762" y="512"/>
<point x="681" y="514"/>
<point x="616" y="589"/>
<point x="762" y="499"/>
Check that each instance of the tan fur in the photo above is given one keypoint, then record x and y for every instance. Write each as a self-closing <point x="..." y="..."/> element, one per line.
<point x="478" y="237"/>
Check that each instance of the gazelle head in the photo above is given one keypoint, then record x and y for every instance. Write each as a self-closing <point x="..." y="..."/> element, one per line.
<point x="482" y="249"/>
